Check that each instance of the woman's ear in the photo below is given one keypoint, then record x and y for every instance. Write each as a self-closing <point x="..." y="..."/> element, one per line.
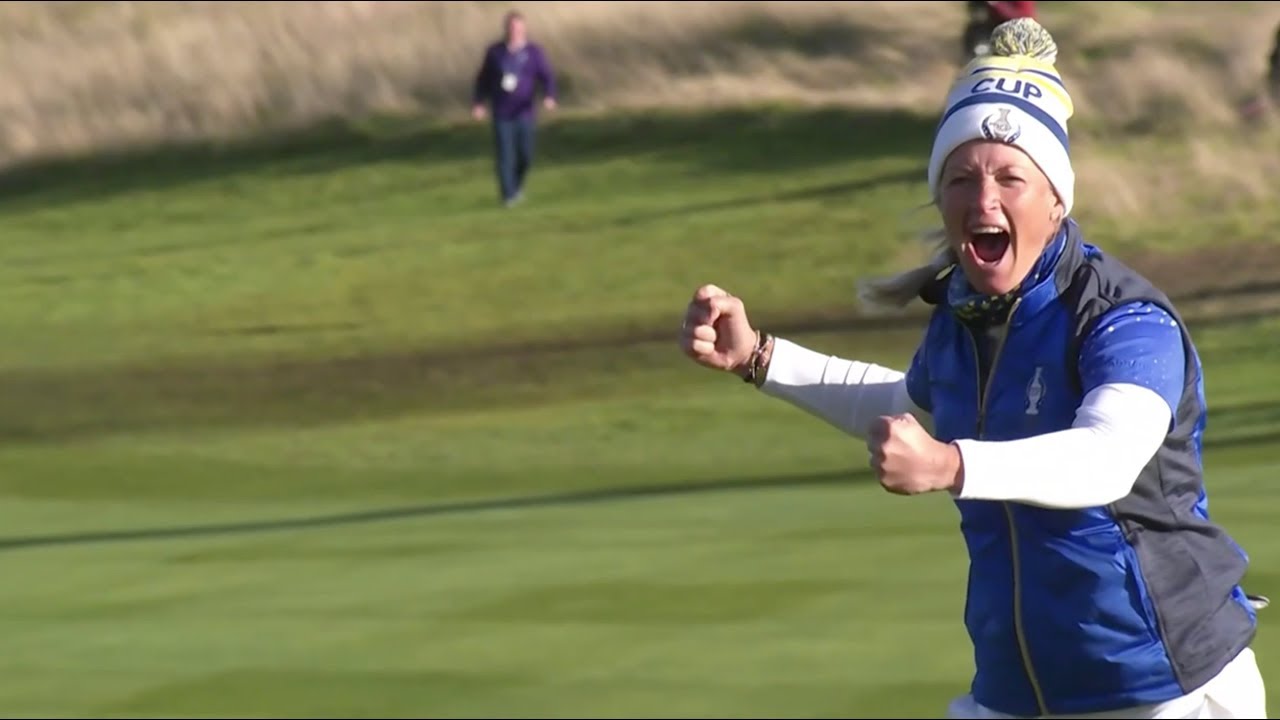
<point x="1056" y="212"/>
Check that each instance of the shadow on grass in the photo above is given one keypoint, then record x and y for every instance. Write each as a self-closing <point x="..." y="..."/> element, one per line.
<point x="828" y="191"/>
<point x="526" y="502"/>
<point x="40" y="406"/>
<point x="51" y="406"/>
<point x="603" y="495"/>
<point x="746" y="140"/>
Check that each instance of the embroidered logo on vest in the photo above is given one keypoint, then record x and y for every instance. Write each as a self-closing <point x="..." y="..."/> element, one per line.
<point x="1035" y="391"/>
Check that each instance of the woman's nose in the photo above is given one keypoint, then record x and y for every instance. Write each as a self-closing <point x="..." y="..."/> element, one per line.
<point x="988" y="195"/>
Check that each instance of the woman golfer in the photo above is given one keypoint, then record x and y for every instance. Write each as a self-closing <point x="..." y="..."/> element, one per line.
<point x="1057" y="396"/>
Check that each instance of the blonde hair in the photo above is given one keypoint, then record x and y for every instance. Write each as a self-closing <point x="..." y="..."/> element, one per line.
<point x="896" y="291"/>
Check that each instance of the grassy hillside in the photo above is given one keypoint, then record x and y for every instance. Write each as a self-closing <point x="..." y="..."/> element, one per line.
<point x="306" y="424"/>
<point x="82" y="76"/>
<point x="155" y="70"/>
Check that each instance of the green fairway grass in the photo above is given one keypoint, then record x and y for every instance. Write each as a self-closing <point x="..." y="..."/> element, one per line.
<point x="315" y="428"/>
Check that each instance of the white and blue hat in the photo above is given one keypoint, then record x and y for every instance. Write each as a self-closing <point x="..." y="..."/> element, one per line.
<point x="1014" y="95"/>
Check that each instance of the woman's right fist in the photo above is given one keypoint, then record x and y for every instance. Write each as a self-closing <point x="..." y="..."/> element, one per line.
<point x="716" y="332"/>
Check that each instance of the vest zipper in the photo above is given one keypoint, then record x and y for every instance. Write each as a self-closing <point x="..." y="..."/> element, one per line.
<point x="1013" y="530"/>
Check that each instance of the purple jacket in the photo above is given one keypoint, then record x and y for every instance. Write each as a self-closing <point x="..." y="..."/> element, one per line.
<point x="508" y="80"/>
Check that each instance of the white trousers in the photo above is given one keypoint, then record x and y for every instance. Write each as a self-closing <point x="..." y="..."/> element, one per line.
<point x="1236" y="692"/>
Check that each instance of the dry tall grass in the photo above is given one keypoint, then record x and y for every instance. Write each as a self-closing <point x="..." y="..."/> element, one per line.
<point x="80" y="76"/>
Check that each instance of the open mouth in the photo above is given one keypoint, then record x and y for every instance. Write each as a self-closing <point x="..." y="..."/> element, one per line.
<point x="989" y="245"/>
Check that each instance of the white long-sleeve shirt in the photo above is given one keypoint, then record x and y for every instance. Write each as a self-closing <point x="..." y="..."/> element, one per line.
<point x="1117" y="429"/>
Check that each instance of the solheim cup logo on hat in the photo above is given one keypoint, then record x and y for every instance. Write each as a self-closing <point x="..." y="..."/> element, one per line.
<point x="998" y="126"/>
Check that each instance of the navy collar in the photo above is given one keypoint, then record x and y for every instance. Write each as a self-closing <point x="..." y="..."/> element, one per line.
<point x="1051" y="287"/>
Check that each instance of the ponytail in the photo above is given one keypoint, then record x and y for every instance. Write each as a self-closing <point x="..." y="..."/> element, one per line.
<point x="896" y="291"/>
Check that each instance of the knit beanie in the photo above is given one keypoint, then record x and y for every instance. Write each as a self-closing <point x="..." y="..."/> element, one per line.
<point x="1015" y="96"/>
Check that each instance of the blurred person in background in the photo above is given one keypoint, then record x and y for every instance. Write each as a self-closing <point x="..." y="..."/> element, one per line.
<point x="505" y="90"/>
<point x="985" y="16"/>
<point x="1273" y="71"/>
<point x="1057" y="399"/>
<point x="1257" y="105"/>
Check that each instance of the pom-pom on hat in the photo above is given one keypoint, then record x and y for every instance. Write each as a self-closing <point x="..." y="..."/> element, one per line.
<point x="1014" y="95"/>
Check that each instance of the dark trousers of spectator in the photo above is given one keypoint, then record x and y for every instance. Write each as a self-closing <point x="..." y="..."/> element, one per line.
<point x="513" y="140"/>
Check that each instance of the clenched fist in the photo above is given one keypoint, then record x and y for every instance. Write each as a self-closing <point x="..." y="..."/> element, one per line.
<point x="908" y="461"/>
<point x="716" y="332"/>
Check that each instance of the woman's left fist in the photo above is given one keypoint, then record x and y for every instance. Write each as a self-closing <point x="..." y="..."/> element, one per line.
<point x="908" y="461"/>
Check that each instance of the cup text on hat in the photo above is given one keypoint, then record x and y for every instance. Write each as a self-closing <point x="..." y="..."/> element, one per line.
<point x="1024" y="88"/>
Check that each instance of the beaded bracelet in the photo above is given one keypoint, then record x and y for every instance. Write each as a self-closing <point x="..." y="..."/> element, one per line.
<point x="754" y="374"/>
